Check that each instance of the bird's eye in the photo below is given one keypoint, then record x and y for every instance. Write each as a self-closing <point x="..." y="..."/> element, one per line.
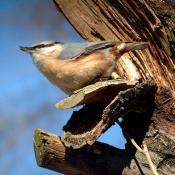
<point x="57" y="42"/>
<point x="40" y="45"/>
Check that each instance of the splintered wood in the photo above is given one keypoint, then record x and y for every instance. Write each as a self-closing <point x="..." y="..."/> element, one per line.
<point x="127" y="21"/>
<point x="145" y="118"/>
<point x="87" y="124"/>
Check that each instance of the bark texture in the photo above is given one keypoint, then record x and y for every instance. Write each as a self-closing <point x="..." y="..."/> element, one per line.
<point x="158" y="132"/>
<point x="129" y="21"/>
<point x="141" y="20"/>
<point x="86" y="125"/>
<point x="100" y="158"/>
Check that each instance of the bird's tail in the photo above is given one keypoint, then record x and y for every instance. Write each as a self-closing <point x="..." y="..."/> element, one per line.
<point x="122" y="47"/>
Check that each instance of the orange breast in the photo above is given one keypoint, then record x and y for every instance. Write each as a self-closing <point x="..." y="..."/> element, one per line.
<point x="71" y="75"/>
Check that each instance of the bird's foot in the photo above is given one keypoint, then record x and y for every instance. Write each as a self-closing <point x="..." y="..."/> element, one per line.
<point x="114" y="75"/>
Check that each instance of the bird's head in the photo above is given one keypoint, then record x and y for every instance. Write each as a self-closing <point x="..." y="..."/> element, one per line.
<point x="44" y="50"/>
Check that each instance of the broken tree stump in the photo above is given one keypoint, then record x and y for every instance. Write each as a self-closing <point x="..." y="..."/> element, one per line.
<point x="51" y="153"/>
<point x="101" y="159"/>
<point x="129" y="21"/>
<point x="140" y="20"/>
<point x="87" y="124"/>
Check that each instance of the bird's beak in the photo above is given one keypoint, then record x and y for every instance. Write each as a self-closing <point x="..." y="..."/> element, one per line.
<point x="27" y="49"/>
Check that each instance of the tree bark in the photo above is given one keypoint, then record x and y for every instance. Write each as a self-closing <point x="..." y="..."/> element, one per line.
<point x="129" y="21"/>
<point x="141" y="20"/>
<point x="86" y="125"/>
<point x="101" y="159"/>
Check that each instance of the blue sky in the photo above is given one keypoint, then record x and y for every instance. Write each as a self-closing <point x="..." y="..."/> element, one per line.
<point x="26" y="98"/>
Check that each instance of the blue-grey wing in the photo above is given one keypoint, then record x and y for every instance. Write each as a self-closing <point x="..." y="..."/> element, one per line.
<point x="76" y="50"/>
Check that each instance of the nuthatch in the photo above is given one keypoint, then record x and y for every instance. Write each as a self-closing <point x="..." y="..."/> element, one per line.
<point x="75" y="65"/>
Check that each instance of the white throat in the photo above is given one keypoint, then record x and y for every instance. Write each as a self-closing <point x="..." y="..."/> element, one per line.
<point x="46" y="53"/>
<point x="38" y="57"/>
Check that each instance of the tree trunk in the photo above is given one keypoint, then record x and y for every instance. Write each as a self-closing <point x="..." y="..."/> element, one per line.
<point x="129" y="21"/>
<point x="141" y="20"/>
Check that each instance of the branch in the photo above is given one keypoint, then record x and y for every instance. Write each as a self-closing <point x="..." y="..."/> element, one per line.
<point x="100" y="158"/>
<point x="144" y="150"/>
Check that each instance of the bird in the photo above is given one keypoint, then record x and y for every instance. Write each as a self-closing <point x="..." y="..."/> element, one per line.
<point x="72" y="66"/>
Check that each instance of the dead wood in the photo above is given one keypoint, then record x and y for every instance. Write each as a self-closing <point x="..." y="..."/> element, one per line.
<point x="140" y="20"/>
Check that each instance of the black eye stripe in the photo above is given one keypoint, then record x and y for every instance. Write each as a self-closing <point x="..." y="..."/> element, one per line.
<point x="42" y="46"/>
<point x="45" y="45"/>
<point x="39" y="46"/>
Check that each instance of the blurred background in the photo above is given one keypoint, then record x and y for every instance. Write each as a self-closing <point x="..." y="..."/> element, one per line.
<point x="26" y="97"/>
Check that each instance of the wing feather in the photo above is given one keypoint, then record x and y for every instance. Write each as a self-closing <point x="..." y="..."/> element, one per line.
<point x="76" y="50"/>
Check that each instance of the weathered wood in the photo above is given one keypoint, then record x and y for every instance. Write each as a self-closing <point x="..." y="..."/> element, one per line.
<point x="100" y="158"/>
<point x="100" y="92"/>
<point x="87" y="124"/>
<point x="165" y="11"/>
<point x="130" y="21"/>
<point x="158" y="133"/>
<point x="141" y="20"/>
